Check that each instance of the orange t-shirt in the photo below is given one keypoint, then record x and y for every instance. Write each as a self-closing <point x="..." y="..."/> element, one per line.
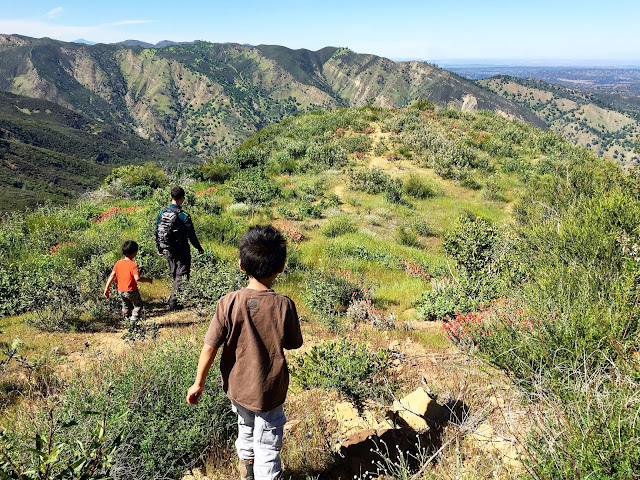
<point x="125" y="270"/>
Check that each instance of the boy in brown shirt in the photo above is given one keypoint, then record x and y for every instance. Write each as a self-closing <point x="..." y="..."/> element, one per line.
<point x="255" y="325"/>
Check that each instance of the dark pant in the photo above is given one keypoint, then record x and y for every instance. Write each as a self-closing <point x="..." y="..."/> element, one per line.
<point x="179" y="267"/>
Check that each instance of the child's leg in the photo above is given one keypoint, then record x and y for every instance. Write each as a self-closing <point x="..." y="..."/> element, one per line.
<point x="136" y="302"/>
<point x="267" y="442"/>
<point x="246" y="421"/>
<point x="127" y="306"/>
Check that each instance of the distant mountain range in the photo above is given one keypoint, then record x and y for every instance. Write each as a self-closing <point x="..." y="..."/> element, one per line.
<point x="607" y="123"/>
<point x="205" y="97"/>
<point x="160" y="44"/>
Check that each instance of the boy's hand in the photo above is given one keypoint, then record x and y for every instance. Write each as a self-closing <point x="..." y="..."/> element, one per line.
<point x="107" y="292"/>
<point x="193" y="394"/>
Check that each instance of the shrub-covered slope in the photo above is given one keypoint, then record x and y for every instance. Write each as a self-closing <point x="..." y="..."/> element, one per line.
<point x="608" y="124"/>
<point x="206" y="97"/>
<point x="48" y="152"/>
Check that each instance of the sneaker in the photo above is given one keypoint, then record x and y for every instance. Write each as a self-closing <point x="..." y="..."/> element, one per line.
<point x="246" y="469"/>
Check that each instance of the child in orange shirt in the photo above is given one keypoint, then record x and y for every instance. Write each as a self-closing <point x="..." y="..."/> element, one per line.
<point x="127" y="274"/>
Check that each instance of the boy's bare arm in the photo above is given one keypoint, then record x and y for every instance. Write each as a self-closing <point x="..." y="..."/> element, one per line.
<point x="107" y="287"/>
<point x="207" y="355"/>
<point x="138" y="278"/>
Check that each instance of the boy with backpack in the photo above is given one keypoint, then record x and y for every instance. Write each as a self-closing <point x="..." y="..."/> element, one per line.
<point x="174" y="231"/>
<point x="127" y="275"/>
<point x="255" y="325"/>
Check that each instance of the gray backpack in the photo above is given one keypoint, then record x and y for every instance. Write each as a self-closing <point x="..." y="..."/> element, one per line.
<point x="170" y="229"/>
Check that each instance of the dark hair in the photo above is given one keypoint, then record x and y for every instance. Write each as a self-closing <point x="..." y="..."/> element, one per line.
<point x="177" y="193"/>
<point x="129" y="247"/>
<point x="263" y="251"/>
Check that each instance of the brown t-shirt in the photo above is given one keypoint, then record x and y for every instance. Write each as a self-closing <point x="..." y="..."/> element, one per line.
<point x="255" y="326"/>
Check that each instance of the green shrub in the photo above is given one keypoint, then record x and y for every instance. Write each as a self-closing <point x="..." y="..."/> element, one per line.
<point x="393" y="193"/>
<point x="10" y="291"/>
<point x="596" y="436"/>
<point x="493" y="191"/>
<point x="351" y="369"/>
<point x="337" y="226"/>
<point x="416" y="187"/>
<point x="471" y="243"/>
<point x="145" y="393"/>
<point x="243" y="158"/>
<point x="136" y="181"/>
<point x="284" y="162"/>
<point x="443" y="301"/>
<point x="372" y="180"/>
<point x="423" y="104"/>
<point x="216" y="170"/>
<point x="407" y="237"/>
<point x="253" y="186"/>
<point x="329" y="293"/>
<point x="422" y="227"/>
<point x="325" y="156"/>
<point x="358" y="143"/>
<point x="311" y="210"/>
<point x="222" y="228"/>
<point x="66" y="459"/>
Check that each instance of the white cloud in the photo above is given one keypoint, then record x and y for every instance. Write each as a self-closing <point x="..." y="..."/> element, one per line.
<point x="54" y="12"/>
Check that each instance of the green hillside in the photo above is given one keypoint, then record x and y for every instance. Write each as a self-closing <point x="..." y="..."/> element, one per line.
<point x="606" y="123"/>
<point x="206" y="98"/>
<point x="48" y="152"/>
<point x="493" y="265"/>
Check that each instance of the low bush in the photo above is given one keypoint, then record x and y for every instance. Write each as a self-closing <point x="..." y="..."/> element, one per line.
<point x="406" y="236"/>
<point x="253" y="186"/>
<point x="164" y="436"/>
<point x="372" y="181"/>
<point x="55" y="459"/>
<point x="351" y="369"/>
<point x="216" y="170"/>
<point x="444" y="301"/>
<point x="417" y="187"/>
<point x="330" y="293"/>
<point x="365" y="311"/>
<point x="493" y="191"/>
<point x="337" y="226"/>
<point x="311" y="210"/>
<point x="141" y="394"/>
<point x="358" y="143"/>
<point x="136" y="181"/>
<point x="244" y="158"/>
<point x="325" y="156"/>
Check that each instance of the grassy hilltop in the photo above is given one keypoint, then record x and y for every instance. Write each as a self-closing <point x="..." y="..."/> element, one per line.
<point x="494" y="259"/>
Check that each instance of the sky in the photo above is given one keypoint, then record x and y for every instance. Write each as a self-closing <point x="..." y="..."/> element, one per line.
<point x="560" y="31"/>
